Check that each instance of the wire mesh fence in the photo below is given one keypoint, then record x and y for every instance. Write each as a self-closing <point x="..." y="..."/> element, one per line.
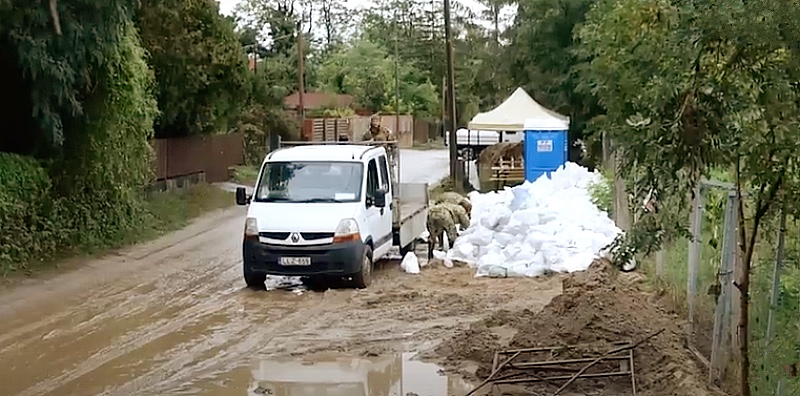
<point x="701" y="274"/>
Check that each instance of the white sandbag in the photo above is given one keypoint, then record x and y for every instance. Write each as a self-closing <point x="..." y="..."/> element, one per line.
<point x="410" y="263"/>
<point x="548" y="225"/>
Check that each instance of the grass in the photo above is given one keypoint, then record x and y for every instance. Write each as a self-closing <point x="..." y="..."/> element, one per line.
<point x="174" y="209"/>
<point x="245" y="175"/>
<point x="171" y="210"/>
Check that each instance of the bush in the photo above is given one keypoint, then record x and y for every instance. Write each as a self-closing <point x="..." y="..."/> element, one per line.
<point x="603" y="195"/>
<point x="27" y="229"/>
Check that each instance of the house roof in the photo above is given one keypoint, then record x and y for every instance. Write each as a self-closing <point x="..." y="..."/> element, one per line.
<point x="318" y="100"/>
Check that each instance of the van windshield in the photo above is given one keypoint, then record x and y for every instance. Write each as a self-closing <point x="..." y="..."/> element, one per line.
<point x="310" y="181"/>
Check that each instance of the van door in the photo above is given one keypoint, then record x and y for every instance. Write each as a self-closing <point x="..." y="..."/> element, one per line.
<point x="379" y="219"/>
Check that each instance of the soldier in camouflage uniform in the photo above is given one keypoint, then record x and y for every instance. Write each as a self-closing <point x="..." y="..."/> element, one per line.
<point x="440" y="220"/>
<point x="378" y="133"/>
<point x="458" y="199"/>
<point x="459" y="214"/>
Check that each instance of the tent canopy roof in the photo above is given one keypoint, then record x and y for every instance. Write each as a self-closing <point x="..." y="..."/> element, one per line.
<point x="512" y="114"/>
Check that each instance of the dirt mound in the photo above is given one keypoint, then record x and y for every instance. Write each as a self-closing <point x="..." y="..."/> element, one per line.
<point x="501" y="150"/>
<point x="597" y="309"/>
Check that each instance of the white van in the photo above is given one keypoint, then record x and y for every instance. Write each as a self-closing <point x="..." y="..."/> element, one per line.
<point x="328" y="210"/>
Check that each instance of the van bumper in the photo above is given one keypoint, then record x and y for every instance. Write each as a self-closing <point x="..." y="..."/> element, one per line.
<point x="339" y="259"/>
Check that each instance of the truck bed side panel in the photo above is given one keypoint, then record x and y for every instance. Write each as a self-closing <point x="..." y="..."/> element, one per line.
<point x="411" y="211"/>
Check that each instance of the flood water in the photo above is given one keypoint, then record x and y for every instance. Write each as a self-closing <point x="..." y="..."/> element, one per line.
<point x="331" y="375"/>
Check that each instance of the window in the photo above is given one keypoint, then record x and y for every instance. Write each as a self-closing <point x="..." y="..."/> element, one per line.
<point x="372" y="181"/>
<point x="384" y="172"/>
<point x="310" y="182"/>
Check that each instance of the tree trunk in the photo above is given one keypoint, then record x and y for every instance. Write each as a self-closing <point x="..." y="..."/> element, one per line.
<point x="744" y="288"/>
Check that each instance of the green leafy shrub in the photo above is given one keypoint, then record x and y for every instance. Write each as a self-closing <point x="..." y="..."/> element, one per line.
<point x="107" y="158"/>
<point x="27" y="230"/>
<point x="602" y="194"/>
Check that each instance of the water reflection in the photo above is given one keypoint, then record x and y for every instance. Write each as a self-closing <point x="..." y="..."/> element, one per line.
<point x="395" y="375"/>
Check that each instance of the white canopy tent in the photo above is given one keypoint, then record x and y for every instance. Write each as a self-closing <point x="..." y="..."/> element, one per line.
<point x="512" y="114"/>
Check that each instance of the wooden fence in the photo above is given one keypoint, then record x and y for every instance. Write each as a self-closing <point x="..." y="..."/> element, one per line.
<point x="211" y="155"/>
<point x="328" y="129"/>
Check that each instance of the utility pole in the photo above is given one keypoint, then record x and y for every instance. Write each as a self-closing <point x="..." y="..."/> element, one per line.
<point x="300" y="79"/>
<point x="451" y="90"/>
<point x="444" y="109"/>
<point x="396" y="82"/>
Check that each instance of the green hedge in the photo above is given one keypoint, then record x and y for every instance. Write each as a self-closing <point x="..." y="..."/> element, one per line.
<point x="28" y="213"/>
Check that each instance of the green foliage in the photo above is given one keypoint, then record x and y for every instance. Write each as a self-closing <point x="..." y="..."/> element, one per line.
<point x="26" y="227"/>
<point x="602" y="194"/>
<point x="95" y="198"/>
<point x="199" y="65"/>
<point x="60" y="70"/>
<point x="108" y="160"/>
<point x="546" y="64"/>
<point x="693" y="87"/>
<point x="366" y="71"/>
<point x="705" y="108"/>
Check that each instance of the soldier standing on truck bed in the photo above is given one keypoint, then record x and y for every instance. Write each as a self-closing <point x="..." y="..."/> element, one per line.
<point x="377" y="132"/>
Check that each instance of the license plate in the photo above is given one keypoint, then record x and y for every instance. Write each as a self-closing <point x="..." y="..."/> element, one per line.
<point x="295" y="261"/>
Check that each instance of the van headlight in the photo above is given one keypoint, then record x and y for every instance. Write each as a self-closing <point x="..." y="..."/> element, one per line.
<point x="346" y="231"/>
<point x="251" y="229"/>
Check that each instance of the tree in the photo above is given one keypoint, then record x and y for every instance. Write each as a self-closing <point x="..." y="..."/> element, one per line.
<point x="199" y="64"/>
<point x="366" y="71"/>
<point x="728" y="101"/>
<point x="544" y="60"/>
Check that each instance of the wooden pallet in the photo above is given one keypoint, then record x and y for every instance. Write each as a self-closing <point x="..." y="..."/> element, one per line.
<point x="508" y="170"/>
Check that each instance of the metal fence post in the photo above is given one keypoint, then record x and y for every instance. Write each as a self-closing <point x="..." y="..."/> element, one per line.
<point x="723" y="307"/>
<point x="775" y="294"/>
<point x="694" y="255"/>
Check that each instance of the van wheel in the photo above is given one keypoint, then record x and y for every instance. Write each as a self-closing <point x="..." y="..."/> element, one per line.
<point x="363" y="278"/>
<point x="254" y="280"/>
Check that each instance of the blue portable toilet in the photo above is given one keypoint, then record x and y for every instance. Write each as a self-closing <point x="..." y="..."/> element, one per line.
<point x="546" y="146"/>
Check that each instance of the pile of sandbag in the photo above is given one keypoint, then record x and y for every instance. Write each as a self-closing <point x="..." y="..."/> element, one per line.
<point x="548" y="225"/>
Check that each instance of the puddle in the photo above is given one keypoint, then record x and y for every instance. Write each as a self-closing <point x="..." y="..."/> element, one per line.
<point x="396" y="375"/>
<point x="330" y="375"/>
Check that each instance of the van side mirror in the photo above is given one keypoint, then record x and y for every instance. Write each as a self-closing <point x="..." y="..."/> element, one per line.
<point x="241" y="196"/>
<point x="380" y="198"/>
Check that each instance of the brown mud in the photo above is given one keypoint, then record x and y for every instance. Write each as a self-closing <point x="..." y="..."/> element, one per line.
<point x="172" y="317"/>
<point x="597" y="308"/>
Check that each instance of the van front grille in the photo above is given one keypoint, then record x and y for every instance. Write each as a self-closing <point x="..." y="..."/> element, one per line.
<point x="310" y="236"/>
<point x="274" y="235"/>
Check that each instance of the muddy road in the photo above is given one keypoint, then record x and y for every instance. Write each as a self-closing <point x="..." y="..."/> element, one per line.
<point x="173" y="317"/>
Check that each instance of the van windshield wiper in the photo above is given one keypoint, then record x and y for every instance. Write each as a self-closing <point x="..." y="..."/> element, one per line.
<point x="275" y="199"/>
<point x="318" y="200"/>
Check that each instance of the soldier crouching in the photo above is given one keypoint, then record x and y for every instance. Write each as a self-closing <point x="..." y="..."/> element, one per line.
<point x="459" y="214"/>
<point x="458" y="199"/>
<point x="440" y="220"/>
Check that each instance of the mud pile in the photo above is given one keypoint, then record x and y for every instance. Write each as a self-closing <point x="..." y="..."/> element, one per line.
<point x="507" y="150"/>
<point x="597" y="308"/>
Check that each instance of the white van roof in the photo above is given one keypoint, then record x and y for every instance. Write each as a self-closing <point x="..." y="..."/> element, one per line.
<point x="335" y="152"/>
